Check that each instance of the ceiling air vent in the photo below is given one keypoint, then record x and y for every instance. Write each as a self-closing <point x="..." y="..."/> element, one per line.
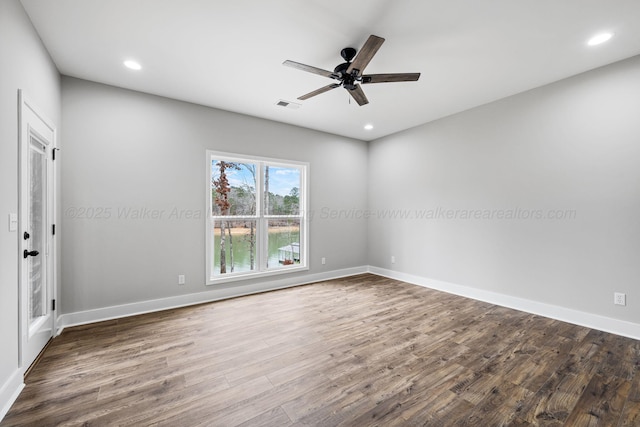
<point x="288" y="104"/>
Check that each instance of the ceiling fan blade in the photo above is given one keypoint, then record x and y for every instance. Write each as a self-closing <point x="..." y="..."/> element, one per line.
<point x="365" y="55"/>
<point x="388" y="78"/>
<point x="319" y="91"/>
<point x="310" y="69"/>
<point x="358" y="95"/>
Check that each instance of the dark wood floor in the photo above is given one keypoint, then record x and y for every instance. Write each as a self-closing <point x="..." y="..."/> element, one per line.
<point x="359" y="351"/>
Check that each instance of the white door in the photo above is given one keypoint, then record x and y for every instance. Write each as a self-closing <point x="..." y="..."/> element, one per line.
<point x="37" y="246"/>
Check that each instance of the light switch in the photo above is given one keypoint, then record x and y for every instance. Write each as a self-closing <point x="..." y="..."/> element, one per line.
<point x="13" y="222"/>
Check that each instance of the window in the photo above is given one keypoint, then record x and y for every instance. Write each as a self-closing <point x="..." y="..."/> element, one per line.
<point x="257" y="221"/>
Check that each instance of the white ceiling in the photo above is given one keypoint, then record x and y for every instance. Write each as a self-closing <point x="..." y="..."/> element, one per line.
<point x="229" y="54"/>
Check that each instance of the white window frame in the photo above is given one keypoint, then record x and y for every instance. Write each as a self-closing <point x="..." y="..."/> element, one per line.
<point x="260" y="217"/>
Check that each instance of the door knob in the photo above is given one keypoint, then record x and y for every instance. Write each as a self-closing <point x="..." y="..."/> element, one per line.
<point x="30" y="253"/>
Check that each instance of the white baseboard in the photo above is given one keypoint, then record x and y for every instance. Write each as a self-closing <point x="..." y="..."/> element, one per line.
<point x="595" y="321"/>
<point x="589" y="320"/>
<point x="115" y="312"/>
<point x="10" y="391"/>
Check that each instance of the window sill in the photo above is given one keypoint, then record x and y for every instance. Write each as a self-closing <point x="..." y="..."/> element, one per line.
<point x="235" y="277"/>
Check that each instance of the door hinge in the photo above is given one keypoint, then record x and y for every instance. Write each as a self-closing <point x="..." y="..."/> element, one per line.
<point x="53" y="229"/>
<point x="53" y="305"/>
<point x="53" y="153"/>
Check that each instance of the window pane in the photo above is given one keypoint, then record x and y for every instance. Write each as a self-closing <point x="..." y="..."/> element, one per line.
<point x="283" y="242"/>
<point x="37" y="224"/>
<point x="234" y="246"/>
<point x="282" y="190"/>
<point x="233" y="188"/>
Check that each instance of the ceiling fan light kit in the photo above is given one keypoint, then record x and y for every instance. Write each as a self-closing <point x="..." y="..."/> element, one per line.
<point x="350" y="73"/>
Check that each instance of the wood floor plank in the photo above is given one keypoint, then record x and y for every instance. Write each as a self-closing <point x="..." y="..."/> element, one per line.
<point x="499" y="407"/>
<point x="186" y="406"/>
<point x="557" y="398"/>
<point x="408" y="395"/>
<point x="243" y="410"/>
<point x="357" y="351"/>
<point x="601" y="403"/>
<point x="631" y="411"/>
<point x="270" y="418"/>
<point x="119" y="406"/>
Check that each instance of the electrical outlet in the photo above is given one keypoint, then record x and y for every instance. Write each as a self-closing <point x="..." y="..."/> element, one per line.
<point x="324" y="260"/>
<point x="181" y="279"/>
<point x="393" y="259"/>
<point x="619" y="298"/>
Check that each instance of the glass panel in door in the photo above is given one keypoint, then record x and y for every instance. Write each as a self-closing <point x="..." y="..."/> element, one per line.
<point x="37" y="224"/>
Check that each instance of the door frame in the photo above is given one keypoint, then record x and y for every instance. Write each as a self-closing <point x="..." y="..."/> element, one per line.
<point x="25" y="108"/>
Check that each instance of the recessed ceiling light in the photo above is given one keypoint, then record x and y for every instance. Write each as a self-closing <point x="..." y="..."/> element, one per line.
<point x="599" y="39"/>
<point x="368" y="127"/>
<point x="132" y="65"/>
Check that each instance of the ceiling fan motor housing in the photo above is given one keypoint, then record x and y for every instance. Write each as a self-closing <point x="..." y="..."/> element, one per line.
<point x="348" y="80"/>
<point x="341" y="69"/>
<point x="348" y="53"/>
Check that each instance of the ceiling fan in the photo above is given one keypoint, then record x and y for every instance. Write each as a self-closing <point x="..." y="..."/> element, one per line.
<point x="349" y="74"/>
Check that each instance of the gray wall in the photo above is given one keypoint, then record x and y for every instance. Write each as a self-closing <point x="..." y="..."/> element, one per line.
<point x="128" y="150"/>
<point x="573" y="145"/>
<point x="24" y="64"/>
